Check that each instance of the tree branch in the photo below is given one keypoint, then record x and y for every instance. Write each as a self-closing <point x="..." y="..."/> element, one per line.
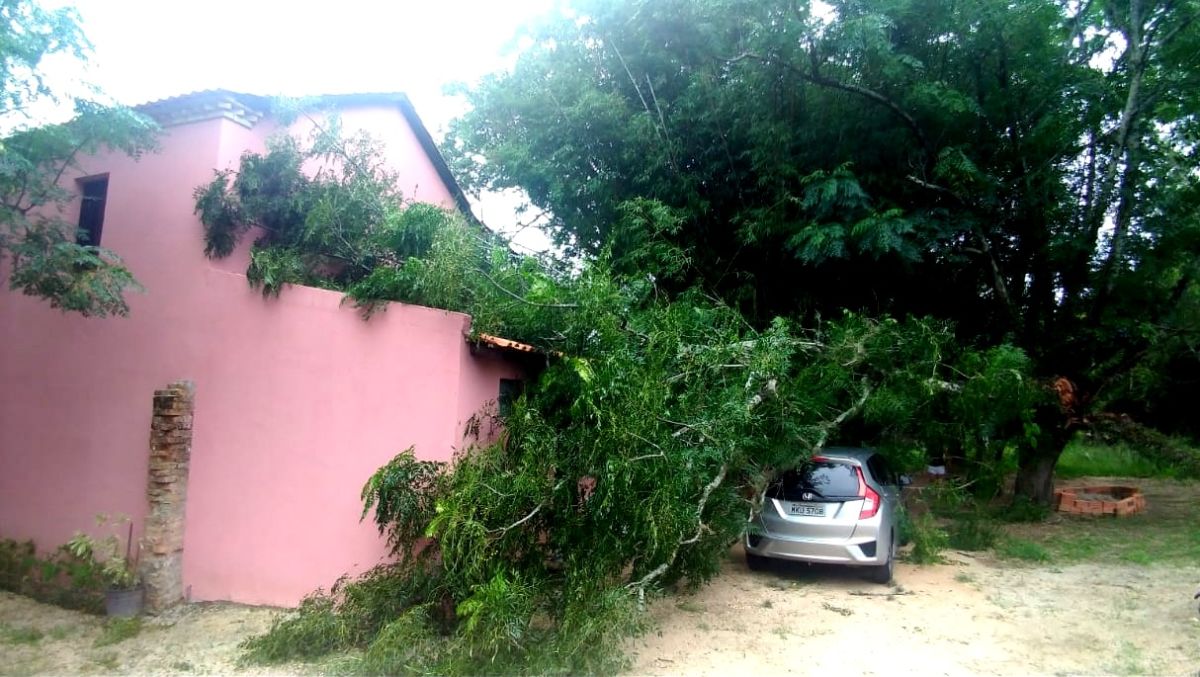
<point x="520" y="298"/>
<point x="514" y="525"/>
<point x="701" y="527"/>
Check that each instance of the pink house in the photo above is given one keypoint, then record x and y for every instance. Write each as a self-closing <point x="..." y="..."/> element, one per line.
<point x="297" y="399"/>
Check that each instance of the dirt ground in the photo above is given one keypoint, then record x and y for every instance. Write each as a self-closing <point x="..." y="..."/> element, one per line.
<point x="970" y="616"/>
<point x="197" y="639"/>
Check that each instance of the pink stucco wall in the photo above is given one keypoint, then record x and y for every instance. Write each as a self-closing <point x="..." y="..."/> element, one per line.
<point x="298" y="399"/>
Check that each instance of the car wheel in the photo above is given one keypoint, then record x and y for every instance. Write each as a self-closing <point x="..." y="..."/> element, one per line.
<point x="882" y="574"/>
<point x="757" y="562"/>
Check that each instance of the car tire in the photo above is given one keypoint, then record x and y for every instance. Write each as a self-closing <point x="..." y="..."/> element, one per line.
<point x="883" y="573"/>
<point x="757" y="562"/>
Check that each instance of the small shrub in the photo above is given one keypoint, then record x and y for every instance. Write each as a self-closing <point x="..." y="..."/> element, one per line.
<point x="904" y="525"/>
<point x="928" y="540"/>
<point x="973" y="533"/>
<point x="1019" y="548"/>
<point x="117" y="630"/>
<point x="60" y="578"/>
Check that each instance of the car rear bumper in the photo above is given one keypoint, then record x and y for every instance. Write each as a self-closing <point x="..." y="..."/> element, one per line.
<point x="855" y="552"/>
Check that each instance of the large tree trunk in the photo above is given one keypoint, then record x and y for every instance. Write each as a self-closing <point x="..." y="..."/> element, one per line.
<point x="1035" y="478"/>
<point x="1036" y="462"/>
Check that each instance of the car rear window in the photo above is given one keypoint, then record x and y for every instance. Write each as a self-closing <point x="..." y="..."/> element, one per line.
<point x="821" y="479"/>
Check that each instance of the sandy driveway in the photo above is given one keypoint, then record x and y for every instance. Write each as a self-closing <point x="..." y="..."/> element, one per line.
<point x="972" y="616"/>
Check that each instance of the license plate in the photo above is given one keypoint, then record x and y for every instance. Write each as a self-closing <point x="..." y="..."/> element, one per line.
<point x="807" y="509"/>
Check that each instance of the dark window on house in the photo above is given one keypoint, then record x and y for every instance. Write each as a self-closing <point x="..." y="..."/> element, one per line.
<point x="510" y="390"/>
<point x="91" y="211"/>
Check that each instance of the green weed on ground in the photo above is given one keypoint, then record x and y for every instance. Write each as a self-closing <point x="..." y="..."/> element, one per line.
<point x="1021" y="549"/>
<point x="1082" y="458"/>
<point x="11" y="634"/>
<point x="118" y="630"/>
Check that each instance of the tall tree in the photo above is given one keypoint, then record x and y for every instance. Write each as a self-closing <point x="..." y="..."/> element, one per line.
<point x="1026" y="169"/>
<point x="46" y="257"/>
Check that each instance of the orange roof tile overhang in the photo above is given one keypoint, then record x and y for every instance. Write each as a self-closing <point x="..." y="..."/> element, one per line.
<point x="504" y="344"/>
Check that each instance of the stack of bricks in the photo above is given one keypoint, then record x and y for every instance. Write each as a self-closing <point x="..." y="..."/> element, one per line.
<point x="1118" y="501"/>
<point x="161" y="565"/>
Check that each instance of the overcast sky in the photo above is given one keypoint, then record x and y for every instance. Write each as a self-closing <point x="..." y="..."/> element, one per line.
<point x="153" y="49"/>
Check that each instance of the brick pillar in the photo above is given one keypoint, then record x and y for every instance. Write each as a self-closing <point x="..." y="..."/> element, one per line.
<point x="161" y="564"/>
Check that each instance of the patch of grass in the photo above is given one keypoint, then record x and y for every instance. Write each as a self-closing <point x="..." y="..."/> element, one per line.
<point x="1168" y="532"/>
<point x="11" y="634"/>
<point x="974" y="532"/>
<point x="183" y="666"/>
<point x="1083" y="458"/>
<point x="61" y="632"/>
<point x="964" y="577"/>
<point x="1019" y="548"/>
<point x="690" y="606"/>
<point x="767" y="604"/>
<point x="117" y="630"/>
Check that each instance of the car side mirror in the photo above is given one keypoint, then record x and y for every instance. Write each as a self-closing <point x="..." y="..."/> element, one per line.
<point x="905" y="480"/>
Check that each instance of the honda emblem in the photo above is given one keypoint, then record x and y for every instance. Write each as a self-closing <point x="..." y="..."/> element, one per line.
<point x="806" y="496"/>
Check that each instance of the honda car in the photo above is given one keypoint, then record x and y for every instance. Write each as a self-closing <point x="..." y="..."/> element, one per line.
<point x="839" y="507"/>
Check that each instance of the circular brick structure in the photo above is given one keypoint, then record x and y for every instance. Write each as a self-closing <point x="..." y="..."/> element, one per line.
<point x="1100" y="499"/>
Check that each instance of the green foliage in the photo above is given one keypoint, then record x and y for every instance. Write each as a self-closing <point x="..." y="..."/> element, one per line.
<point x="58" y="578"/>
<point x="402" y="493"/>
<point x="345" y="227"/>
<point x="116" y="630"/>
<point x="113" y="559"/>
<point x="43" y="256"/>
<point x="885" y="157"/>
<point x="946" y="497"/>
<point x="349" y="615"/>
<point x="928" y="540"/>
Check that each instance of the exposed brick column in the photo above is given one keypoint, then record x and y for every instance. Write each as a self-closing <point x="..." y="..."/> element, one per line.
<point x="161" y="563"/>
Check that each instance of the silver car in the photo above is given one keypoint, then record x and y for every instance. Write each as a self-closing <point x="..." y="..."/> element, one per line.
<point x="840" y="507"/>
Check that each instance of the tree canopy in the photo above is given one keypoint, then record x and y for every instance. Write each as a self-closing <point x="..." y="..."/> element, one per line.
<point x="1027" y="170"/>
<point x="46" y="257"/>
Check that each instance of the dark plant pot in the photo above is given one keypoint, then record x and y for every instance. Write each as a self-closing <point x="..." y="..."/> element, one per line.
<point x="124" y="603"/>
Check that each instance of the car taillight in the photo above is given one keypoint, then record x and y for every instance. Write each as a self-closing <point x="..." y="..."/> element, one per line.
<point x="870" y="497"/>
